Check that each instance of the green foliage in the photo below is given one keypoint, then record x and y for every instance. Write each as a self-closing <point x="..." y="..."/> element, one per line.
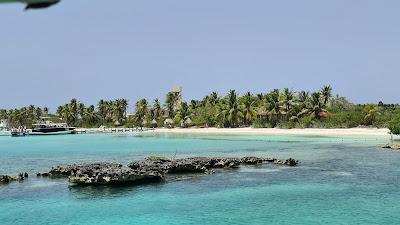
<point x="286" y="124"/>
<point x="394" y="126"/>
<point x="230" y="111"/>
<point x="343" y="119"/>
<point x="277" y="108"/>
<point x="305" y="122"/>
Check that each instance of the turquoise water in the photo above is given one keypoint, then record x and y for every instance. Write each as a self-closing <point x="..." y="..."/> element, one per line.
<point x="340" y="181"/>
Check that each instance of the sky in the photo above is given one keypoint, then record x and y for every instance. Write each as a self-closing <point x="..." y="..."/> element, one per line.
<point x="104" y="49"/>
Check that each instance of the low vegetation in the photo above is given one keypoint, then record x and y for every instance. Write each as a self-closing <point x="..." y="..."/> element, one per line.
<point x="394" y="126"/>
<point x="277" y="108"/>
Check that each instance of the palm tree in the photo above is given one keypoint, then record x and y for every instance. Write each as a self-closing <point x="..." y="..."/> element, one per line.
<point x="273" y="106"/>
<point x="89" y="115"/>
<point x="183" y="114"/>
<point x="303" y="99"/>
<point x="38" y="112"/>
<point x="317" y="106"/>
<point x="231" y="111"/>
<point x="141" y="110"/>
<point x="157" y="110"/>
<point x="59" y="111"/>
<point x="81" y="110"/>
<point x="287" y="99"/>
<point x="123" y="106"/>
<point x="46" y="111"/>
<point x="102" y="108"/>
<point x="249" y="112"/>
<point x="65" y="113"/>
<point x="213" y="98"/>
<point x="194" y="104"/>
<point x="119" y="110"/>
<point x="73" y="109"/>
<point x="3" y="114"/>
<point x="31" y="109"/>
<point x="326" y="92"/>
<point x="260" y="96"/>
<point x="170" y="102"/>
<point x="371" y="114"/>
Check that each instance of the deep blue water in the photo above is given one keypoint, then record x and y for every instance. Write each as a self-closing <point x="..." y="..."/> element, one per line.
<point x="339" y="181"/>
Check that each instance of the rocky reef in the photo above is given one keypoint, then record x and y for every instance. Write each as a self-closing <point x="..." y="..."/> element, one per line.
<point x="151" y="169"/>
<point x="156" y="169"/>
<point x="392" y="146"/>
<point x="112" y="175"/>
<point x="66" y="171"/>
<point x="5" y="179"/>
<point x="187" y="165"/>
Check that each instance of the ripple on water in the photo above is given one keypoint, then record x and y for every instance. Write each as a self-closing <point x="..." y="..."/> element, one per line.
<point x="339" y="173"/>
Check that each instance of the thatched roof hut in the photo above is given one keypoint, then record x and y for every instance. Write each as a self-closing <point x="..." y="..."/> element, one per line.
<point x="186" y="122"/>
<point x="169" y="122"/>
<point x="153" y="123"/>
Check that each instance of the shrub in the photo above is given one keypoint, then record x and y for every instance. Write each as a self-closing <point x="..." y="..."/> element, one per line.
<point x="305" y="122"/>
<point x="394" y="126"/>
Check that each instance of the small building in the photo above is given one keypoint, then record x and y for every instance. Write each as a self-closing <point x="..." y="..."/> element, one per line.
<point x="3" y="124"/>
<point x="169" y="123"/>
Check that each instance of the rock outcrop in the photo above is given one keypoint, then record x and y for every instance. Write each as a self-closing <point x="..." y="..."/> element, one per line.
<point x="5" y="179"/>
<point x="112" y="175"/>
<point x="66" y="171"/>
<point x="187" y="165"/>
<point x="392" y="146"/>
<point x="152" y="169"/>
<point x="257" y="160"/>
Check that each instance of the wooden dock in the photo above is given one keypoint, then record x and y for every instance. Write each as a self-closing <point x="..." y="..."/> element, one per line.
<point x="110" y="130"/>
<point x="19" y="133"/>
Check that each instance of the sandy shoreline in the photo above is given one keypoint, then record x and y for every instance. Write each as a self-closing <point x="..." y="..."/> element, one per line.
<point x="370" y="132"/>
<point x="275" y="131"/>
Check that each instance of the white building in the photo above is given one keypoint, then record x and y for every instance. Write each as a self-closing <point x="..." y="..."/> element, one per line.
<point x="3" y="124"/>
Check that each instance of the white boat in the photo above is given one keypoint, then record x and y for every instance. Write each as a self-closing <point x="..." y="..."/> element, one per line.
<point x="47" y="127"/>
<point x="4" y="128"/>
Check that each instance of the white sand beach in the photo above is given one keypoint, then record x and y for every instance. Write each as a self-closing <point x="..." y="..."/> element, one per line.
<point x="383" y="132"/>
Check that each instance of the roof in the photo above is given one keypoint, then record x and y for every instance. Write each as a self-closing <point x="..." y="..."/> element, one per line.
<point x="176" y="89"/>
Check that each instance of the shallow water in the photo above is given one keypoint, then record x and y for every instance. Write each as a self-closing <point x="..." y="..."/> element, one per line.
<point x="340" y="181"/>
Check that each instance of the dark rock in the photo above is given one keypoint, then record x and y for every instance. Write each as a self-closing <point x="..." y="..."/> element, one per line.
<point x="160" y="166"/>
<point x="287" y="162"/>
<point x="251" y="160"/>
<point x="187" y="165"/>
<point x="291" y="162"/>
<point x="5" y="179"/>
<point x="110" y="174"/>
<point x="153" y="169"/>
<point x="65" y="171"/>
<point x="392" y="146"/>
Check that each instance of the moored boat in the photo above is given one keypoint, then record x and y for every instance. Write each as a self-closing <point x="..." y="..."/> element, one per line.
<point x="4" y="127"/>
<point x="47" y="127"/>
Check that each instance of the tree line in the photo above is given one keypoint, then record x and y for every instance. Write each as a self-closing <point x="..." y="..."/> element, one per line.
<point x="277" y="108"/>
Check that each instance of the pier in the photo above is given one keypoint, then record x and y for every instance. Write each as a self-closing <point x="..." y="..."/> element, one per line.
<point x="16" y="132"/>
<point x="19" y="132"/>
<point x="111" y="130"/>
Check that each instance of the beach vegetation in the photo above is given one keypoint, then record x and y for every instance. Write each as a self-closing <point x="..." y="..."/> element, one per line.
<point x="284" y="108"/>
<point x="394" y="126"/>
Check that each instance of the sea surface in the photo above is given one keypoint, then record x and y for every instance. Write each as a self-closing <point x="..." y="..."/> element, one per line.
<point x="341" y="180"/>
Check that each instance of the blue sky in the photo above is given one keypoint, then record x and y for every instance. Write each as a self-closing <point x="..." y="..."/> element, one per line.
<point x="110" y="49"/>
